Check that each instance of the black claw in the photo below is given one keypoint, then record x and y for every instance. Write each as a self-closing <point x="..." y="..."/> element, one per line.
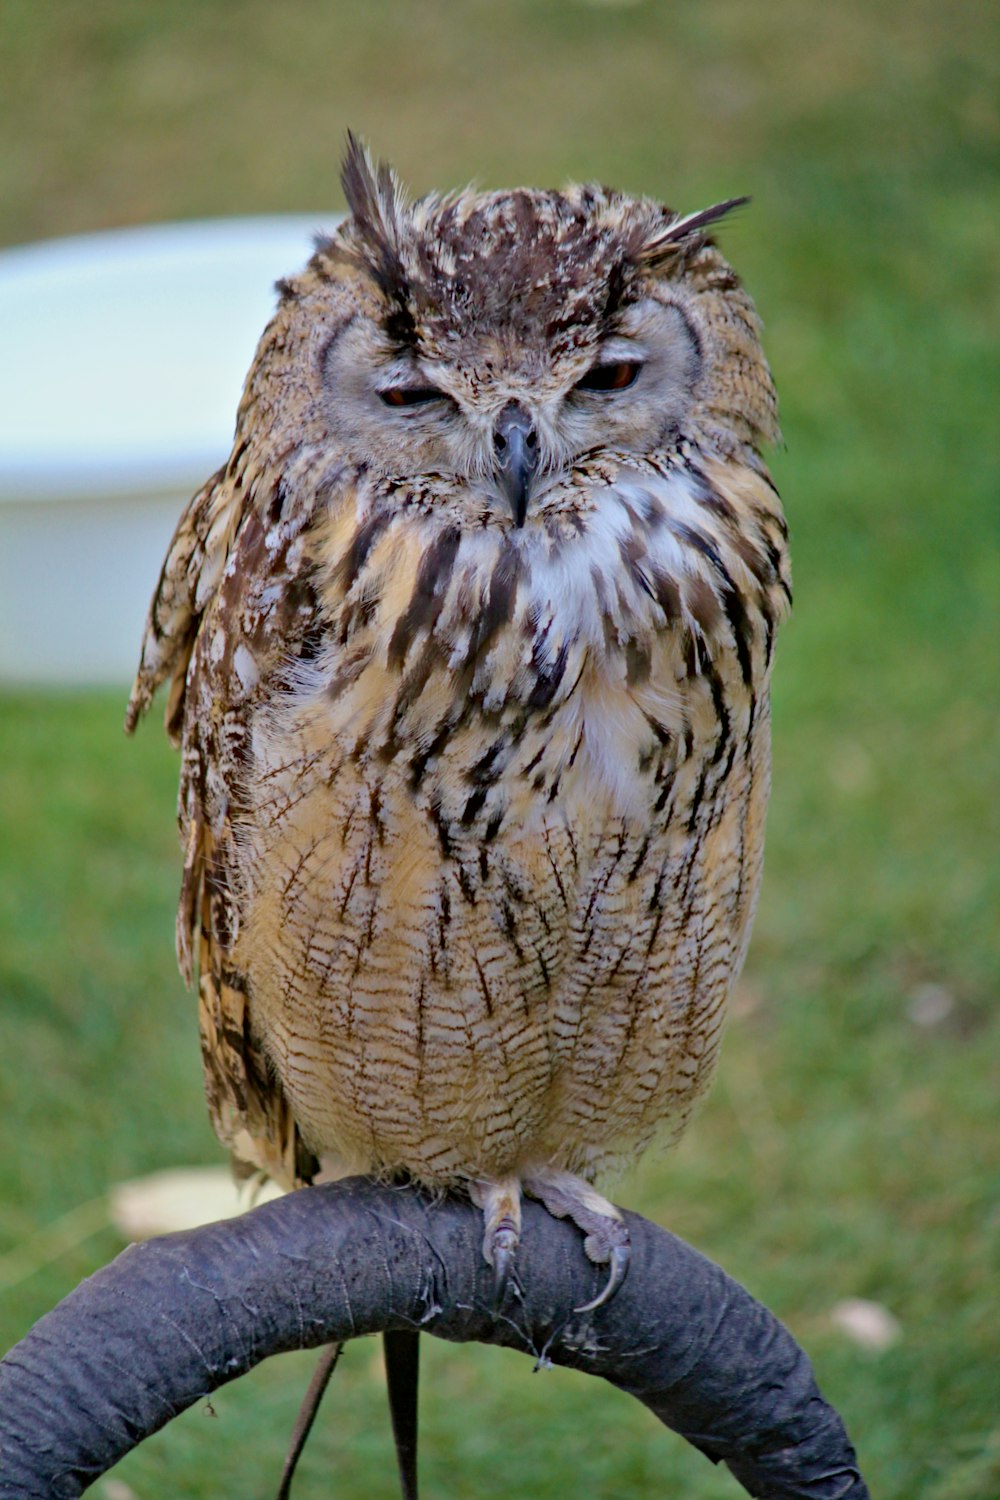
<point x="503" y="1245"/>
<point x="619" y="1257"/>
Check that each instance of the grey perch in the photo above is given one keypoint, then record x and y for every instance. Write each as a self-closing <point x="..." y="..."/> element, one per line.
<point x="171" y="1320"/>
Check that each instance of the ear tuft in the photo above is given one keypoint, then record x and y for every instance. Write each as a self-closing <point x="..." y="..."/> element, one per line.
<point x="380" y="211"/>
<point x="664" y="243"/>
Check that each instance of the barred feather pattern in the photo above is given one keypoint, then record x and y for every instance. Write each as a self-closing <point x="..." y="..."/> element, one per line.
<point x="473" y="812"/>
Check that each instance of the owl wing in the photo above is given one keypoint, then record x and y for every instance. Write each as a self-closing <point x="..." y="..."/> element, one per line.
<point x="232" y="606"/>
<point x="188" y="580"/>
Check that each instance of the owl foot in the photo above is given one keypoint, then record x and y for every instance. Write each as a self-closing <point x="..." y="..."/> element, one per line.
<point x="606" y="1236"/>
<point x="501" y="1206"/>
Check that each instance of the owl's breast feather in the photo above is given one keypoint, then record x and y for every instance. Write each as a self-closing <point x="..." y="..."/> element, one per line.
<point x="507" y="826"/>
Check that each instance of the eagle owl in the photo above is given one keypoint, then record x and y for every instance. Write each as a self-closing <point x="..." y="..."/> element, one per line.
<point x="468" y="646"/>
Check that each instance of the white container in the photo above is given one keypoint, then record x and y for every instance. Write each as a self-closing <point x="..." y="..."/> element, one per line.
<point x="122" y="359"/>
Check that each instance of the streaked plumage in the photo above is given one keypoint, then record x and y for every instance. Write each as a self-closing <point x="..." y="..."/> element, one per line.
<point x="473" y="810"/>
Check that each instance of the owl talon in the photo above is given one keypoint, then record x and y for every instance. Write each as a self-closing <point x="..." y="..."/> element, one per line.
<point x="502" y="1248"/>
<point x="619" y="1256"/>
<point x="501" y="1206"/>
<point x="606" y="1234"/>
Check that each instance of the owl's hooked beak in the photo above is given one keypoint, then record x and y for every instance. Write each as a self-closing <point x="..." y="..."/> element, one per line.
<point x="515" y="443"/>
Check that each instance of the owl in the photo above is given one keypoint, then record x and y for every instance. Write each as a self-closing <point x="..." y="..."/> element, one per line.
<point x="468" y="647"/>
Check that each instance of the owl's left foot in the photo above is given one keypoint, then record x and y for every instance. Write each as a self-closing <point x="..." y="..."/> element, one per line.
<point x="606" y="1235"/>
<point x="501" y="1206"/>
<point x="565" y="1196"/>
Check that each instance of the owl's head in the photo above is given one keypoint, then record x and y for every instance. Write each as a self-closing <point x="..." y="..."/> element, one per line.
<point x="495" y="340"/>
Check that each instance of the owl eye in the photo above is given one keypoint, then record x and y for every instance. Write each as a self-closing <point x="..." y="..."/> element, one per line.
<point x="411" y="395"/>
<point x="611" y="377"/>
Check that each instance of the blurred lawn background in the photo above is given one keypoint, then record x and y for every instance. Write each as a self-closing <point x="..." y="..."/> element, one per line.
<point x="850" y="1147"/>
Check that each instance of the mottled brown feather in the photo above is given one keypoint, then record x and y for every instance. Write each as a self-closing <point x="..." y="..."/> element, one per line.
<point x="472" y="812"/>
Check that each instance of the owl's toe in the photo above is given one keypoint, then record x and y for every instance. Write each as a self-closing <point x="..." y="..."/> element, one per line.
<point x="501" y="1206"/>
<point x="611" y="1245"/>
<point x="504" y="1244"/>
<point x="606" y="1237"/>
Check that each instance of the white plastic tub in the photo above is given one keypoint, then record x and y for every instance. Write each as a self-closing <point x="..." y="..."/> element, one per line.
<point x="122" y="358"/>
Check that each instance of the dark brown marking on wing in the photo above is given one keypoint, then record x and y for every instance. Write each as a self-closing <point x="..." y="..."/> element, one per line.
<point x="722" y="715"/>
<point x="696" y="800"/>
<point x="741" y="627"/>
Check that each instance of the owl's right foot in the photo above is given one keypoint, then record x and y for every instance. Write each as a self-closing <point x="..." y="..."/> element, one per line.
<point x="501" y="1206"/>
<point x="606" y="1238"/>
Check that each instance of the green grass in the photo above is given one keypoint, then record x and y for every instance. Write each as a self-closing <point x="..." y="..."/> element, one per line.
<point x="846" y="1151"/>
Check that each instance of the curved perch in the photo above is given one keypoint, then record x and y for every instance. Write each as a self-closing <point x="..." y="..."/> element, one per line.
<point x="170" y="1320"/>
